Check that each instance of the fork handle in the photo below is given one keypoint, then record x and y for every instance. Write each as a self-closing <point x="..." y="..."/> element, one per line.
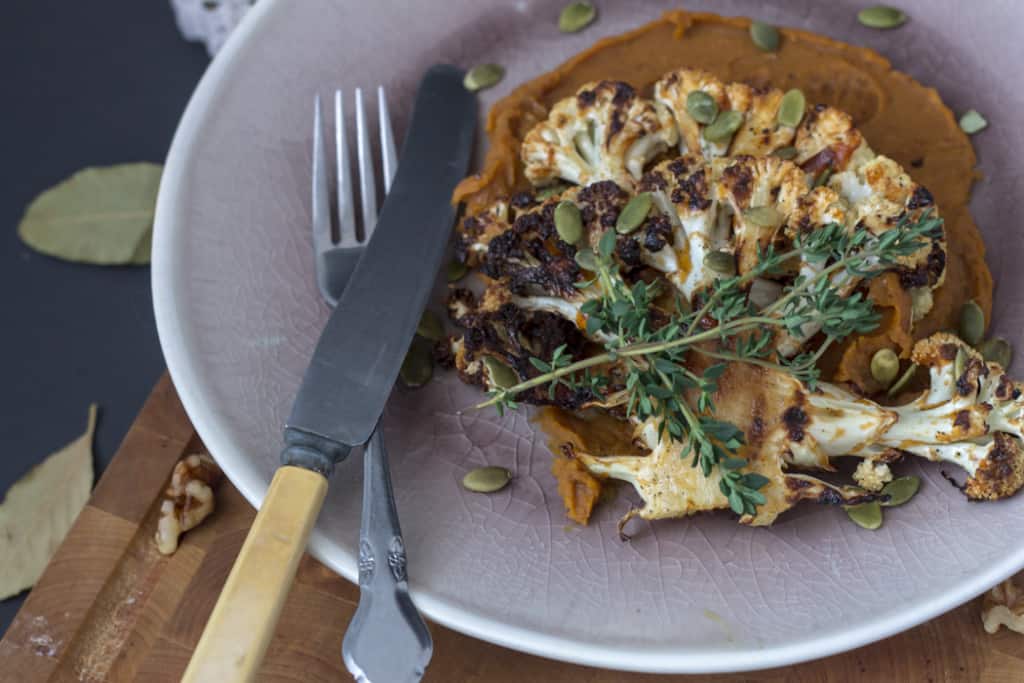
<point x="387" y="639"/>
<point x="243" y="620"/>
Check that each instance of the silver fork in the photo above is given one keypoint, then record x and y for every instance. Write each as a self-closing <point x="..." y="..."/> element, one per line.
<point x="387" y="639"/>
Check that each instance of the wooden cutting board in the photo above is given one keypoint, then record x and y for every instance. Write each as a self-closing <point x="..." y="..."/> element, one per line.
<point x="111" y="608"/>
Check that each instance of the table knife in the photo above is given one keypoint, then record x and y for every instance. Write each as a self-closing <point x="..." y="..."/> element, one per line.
<point x="350" y="376"/>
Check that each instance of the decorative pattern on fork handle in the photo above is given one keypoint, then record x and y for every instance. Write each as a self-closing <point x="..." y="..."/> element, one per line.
<point x="396" y="558"/>
<point x="368" y="564"/>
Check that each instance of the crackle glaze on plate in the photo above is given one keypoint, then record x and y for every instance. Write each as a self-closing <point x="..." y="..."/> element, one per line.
<point x="238" y="315"/>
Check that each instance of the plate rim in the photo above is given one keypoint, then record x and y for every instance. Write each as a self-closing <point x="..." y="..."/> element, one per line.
<point x="166" y="260"/>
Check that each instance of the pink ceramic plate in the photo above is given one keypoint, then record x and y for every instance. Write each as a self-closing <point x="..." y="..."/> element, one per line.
<point x="238" y="315"/>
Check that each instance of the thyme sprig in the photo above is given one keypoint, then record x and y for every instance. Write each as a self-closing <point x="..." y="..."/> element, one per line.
<point x="726" y="327"/>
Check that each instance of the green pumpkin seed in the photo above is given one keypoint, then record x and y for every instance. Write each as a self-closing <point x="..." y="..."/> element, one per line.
<point x="550" y="191"/>
<point x="972" y="323"/>
<point x="456" y="271"/>
<point x="634" y="213"/>
<point x="959" y="363"/>
<point x="764" y="292"/>
<point x="904" y="379"/>
<point x="972" y="122"/>
<point x="568" y="222"/>
<point x="576" y="17"/>
<point x="763" y="216"/>
<point x="881" y="16"/>
<point x="483" y="76"/>
<point x="724" y="126"/>
<point x="486" y="479"/>
<point x="430" y="327"/>
<point x="791" y="108"/>
<point x="765" y="36"/>
<point x="418" y="366"/>
<point x="785" y="153"/>
<point x="997" y="350"/>
<point x="721" y="262"/>
<point x="822" y="178"/>
<point x="885" y="365"/>
<point x="701" y="106"/>
<point x="586" y="259"/>
<point x="865" y="515"/>
<point x="900" y="490"/>
<point x="502" y="376"/>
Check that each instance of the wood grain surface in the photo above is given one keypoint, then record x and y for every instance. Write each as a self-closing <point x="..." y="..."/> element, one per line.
<point x="110" y="608"/>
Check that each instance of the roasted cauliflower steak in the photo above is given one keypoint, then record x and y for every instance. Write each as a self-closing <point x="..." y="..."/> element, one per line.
<point x="716" y="208"/>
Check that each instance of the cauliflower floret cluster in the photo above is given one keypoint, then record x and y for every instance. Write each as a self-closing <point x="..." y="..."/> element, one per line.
<point x="605" y="132"/>
<point x="716" y="207"/>
<point x="732" y="196"/>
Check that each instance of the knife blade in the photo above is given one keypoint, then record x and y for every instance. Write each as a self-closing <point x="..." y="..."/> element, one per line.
<point x="357" y="358"/>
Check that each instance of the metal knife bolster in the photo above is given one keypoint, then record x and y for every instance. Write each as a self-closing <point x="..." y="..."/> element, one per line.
<point x="312" y="451"/>
<point x="367" y="335"/>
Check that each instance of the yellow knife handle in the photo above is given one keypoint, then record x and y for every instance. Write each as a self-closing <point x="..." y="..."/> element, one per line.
<point x="243" y="620"/>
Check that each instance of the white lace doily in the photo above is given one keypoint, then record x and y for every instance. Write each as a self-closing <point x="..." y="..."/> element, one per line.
<point x="209" y="21"/>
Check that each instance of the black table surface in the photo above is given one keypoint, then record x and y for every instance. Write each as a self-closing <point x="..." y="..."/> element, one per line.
<point x="85" y="84"/>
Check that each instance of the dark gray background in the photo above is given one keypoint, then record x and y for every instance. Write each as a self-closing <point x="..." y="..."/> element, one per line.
<point x="84" y="84"/>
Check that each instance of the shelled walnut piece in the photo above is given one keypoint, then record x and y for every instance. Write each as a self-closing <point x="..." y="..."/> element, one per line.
<point x="187" y="501"/>
<point x="1004" y="606"/>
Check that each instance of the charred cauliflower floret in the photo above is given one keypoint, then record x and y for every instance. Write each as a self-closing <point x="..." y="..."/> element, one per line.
<point x="683" y="191"/>
<point x="735" y="206"/>
<point x="476" y="232"/>
<point x="671" y="92"/>
<point x="973" y="419"/>
<point x="972" y="415"/>
<point x="760" y="193"/>
<point x="755" y="400"/>
<point x="517" y="246"/>
<point x="670" y="486"/>
<point x="827" y="139"/>
<point x="729" y="209"/>
<point x="604" y="132"/>
<point x="498" y="329"/>
<point x="824" y="138"/>
<point x="705" y="197"/>
<point x="879" y="192"/>
<point x="731" y="206"/>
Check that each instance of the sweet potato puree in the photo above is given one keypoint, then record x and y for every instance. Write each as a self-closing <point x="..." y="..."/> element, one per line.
<point x="898" y="116"/>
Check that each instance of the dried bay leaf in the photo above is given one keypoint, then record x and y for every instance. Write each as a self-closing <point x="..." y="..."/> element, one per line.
<point x="39" y="509"/>
<point x="100" y="215"/>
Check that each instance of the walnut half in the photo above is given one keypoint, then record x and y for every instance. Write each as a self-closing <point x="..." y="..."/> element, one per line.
<point x="1004" y="606"/>
<point x="187" y="501"/>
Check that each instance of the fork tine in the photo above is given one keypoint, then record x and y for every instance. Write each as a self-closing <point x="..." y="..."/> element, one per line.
<point x="321" y="206"/>
<point x="389" y="157"/>
<point x="367" y="185"/>
<point x="346" y="206"/>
